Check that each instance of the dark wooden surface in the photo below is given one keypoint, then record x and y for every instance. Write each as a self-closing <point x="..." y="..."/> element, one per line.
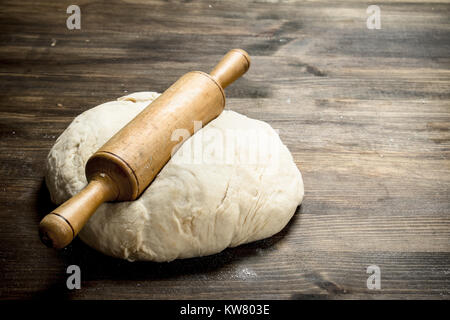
<point x="366" y="114"/>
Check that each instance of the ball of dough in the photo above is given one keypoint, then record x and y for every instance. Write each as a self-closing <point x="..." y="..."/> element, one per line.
<point x="232" y="182"/>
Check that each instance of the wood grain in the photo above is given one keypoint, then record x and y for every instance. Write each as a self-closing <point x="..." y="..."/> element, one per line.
<point x="365" y="113"/>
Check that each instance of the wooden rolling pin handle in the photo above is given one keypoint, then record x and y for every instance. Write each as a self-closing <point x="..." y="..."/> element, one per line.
<point x="233" y="65"/>
<point x="58" y="228"/>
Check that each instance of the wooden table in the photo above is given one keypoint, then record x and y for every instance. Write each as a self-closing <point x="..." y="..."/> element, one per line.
<point x="365" y="113"/>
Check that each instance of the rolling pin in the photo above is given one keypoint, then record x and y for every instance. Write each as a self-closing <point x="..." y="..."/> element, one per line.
<point x="127" y="163"/>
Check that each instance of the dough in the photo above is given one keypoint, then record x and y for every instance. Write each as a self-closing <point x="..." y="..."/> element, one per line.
<point x="197" y="205"/>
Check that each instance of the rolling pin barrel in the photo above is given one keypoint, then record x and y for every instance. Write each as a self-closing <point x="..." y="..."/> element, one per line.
<point x="127" y="163"/>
